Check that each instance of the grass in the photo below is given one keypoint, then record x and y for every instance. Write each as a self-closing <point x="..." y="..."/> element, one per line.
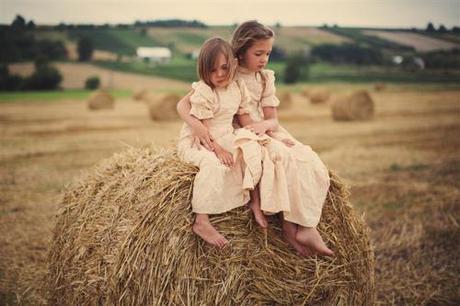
<point x="119" y="41"/>
<point x="56" y="95"/>
<point x="181" y="68"/>
<point x="178" y="69"/>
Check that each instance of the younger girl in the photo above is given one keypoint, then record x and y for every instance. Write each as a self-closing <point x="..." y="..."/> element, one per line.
<point x="308" y="181"/>
<point x="218" y="186"/>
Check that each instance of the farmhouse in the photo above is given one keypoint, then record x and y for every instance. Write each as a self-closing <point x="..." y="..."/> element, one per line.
<point x="154" y="54"/>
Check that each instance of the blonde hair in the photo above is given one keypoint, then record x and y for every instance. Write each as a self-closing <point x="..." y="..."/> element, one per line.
<point x="208" y="57"/>
<point x="247" y="34"/>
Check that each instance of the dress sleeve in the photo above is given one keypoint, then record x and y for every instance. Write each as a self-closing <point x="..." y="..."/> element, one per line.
<point x="268" y="95"/>
<point x="202" y="101"/>
<point x="245" y="98"/>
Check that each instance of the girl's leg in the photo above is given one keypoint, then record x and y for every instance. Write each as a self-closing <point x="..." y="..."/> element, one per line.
<point x="311" y="239"/>
<point x="254" y="204"/>
<point x="289" y="234"/>
<point x="203" y="228"/>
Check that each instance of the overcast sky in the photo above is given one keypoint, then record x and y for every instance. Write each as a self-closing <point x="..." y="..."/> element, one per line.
<point x="369" y="13"/>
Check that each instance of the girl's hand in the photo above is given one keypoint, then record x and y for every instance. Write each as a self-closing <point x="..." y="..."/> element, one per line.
<point x="201" y="137"/>
<point x="224" y="156"/>
<point x="259" y="128"/>
<point x="288" y="142"/>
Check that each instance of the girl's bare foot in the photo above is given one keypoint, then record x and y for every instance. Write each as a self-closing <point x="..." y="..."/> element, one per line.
<point x="205" y="230"/>
<point x="258" y="215"/>
<point x="289" y="234"/>
<point x="311" y="239"/>
<point x="255" y="207"/>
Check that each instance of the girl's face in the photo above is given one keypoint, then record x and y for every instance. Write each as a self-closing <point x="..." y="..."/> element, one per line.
<point x="256" y="57"/>
<point x="220" y="71"/>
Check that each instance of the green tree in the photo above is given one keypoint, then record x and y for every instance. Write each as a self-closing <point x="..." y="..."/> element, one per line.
<point x="85" y="49"/>
<point x="296" y="68"/>
<point x="31" y="25"/>
<point x="442" y="29"/>
<point x="430" y="27"/>
<point x="44" y="78"/>
<point x="92" y="83"/>
<point x="19" y="23"/>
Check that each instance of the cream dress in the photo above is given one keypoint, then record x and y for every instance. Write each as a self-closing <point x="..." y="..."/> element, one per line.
<point x="218" y="188"/>
<point x="307" y="177"/>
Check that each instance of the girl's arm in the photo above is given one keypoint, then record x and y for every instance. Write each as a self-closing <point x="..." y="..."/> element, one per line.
<point x="245" y="120"/>
<point x="270" y="122"/>
<point x="200" y="132"/>
<point x="271" y="115"/>
<point x="223" y="155"/>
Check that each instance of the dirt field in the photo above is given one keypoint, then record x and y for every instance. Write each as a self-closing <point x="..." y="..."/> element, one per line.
<point x="75" y="74"/>
<point x="421" y="43"/>
<point x="403" y="168"/>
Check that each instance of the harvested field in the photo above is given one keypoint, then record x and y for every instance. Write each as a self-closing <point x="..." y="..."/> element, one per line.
<point x="296" y="38"/>
<point x="420" y="42"/>
<point x="75" y="75"/>
<point x="403" y="168"/>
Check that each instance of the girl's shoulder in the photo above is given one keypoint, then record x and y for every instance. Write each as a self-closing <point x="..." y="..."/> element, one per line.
<point x="201" y="86"/>
<point x="268" y="74"/>
<point x="201" y="89"/>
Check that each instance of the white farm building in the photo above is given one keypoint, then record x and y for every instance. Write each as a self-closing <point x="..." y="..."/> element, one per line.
<point x="154" y="54"/>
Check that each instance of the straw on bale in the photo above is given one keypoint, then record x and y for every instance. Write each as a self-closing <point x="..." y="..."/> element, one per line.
<point x="162" y="106"/>
<point x="355" y="106"/>
<point x="379" y="86"/>
<point x="139" y="94"/>
<point x="123" y="236"/>
<point x="285" y="99"/>
<point x="101" y="100"/>
<point x="319" y="95"/>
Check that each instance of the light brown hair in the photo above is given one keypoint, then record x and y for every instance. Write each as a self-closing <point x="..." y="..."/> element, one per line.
<point x="247" y="34"/>
<point x="208" y="57"/>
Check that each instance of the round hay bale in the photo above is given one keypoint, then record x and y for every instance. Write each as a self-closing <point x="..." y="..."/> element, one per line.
<point x="101" y="100"/>
<point x="162" y="107"/>
<point x="318" y="96"/>
<point x="139" y="94"/>
<point x="123" y="236"/>
<point x="356" y="106"/>
<point x="285" y="99"/>
<point x="379" y="86"/>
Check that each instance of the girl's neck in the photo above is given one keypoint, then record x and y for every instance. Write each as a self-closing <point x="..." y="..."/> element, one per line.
<point x="245" y="70"/>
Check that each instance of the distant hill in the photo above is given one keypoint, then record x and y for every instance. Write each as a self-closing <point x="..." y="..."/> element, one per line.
<point x="183" y="40"/>
<point x="124" y="40"/>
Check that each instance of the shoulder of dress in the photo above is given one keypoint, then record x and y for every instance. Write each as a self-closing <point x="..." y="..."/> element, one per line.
<point x="202" y="89"/>
<point x="269" y="74"/>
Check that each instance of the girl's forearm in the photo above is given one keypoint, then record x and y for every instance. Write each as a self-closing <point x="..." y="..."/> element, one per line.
<point x="272" y="124"/>
<point x="245" y="119"/>
<point x="183" y="109"/>
<point x="271" y="118"/>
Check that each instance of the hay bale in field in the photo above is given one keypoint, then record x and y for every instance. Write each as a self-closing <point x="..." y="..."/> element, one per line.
<point x="285" y="99"/>
<point x="356" y="106"/>
<point x="101" y="100"/>
<point x="379" y="86"/>
<point x="139" y="94"/>
<point x="318" y="96"/>
<point x="123" y="236"/>
<point x="162" y="107"/>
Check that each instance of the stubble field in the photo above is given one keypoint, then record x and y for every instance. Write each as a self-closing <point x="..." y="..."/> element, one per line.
<point x="403" y="169"/>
